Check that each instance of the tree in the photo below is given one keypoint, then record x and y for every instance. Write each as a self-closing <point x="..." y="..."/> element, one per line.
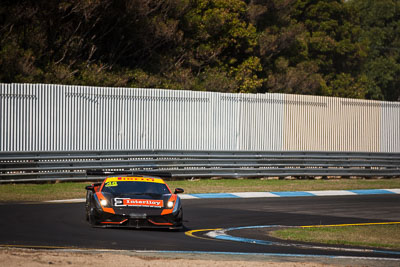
<point x="380" y="24"/>
<point x="318" y="47"/>
<point x="332" y="44"/>
<point x="219" y="39"/>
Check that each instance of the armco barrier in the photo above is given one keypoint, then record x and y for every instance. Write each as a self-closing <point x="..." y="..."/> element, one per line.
<point x="72" y="165"/>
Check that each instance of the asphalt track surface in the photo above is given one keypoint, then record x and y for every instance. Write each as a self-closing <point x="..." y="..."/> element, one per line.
<point x="64" y="225"/>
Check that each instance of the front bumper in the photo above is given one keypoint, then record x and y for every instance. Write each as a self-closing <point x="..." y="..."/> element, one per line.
<point x="140" y="220"/>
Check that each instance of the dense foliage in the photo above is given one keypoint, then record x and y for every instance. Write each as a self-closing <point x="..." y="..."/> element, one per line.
<point x="320" y="47"/>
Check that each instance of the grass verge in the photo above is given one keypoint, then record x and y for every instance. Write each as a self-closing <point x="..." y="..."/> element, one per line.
<point x="377" y="236"/>
<point x="69" y="190"/>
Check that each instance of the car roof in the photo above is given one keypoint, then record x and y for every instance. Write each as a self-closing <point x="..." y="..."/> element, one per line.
<point x="134" y="179"/>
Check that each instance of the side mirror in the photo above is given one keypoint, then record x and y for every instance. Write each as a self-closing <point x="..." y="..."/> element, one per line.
<point x="90" y="188"/>
<point x="93" y="187"/>
<point x="179" y="191"/>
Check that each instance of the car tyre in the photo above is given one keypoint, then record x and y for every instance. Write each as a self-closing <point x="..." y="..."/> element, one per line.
<point x="91" y="218"/>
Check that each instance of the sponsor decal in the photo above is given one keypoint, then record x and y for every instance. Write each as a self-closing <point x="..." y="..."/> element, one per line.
<point x="135" y="179"/>
<point x="138" y="179"/>
<point x="127" y="202"/>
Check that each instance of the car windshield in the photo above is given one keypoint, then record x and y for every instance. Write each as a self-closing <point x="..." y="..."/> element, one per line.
<point x="133" y="187"/>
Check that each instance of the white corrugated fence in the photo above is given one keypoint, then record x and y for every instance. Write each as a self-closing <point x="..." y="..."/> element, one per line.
<point x="42" y="117"/>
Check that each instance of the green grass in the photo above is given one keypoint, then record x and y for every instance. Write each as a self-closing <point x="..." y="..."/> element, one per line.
<point x="68" y="190"/>
<point x="40" y="192"/>
<point x="377" y="236"/>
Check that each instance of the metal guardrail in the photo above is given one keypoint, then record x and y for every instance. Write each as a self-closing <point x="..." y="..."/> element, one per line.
<point x="72" y="165"/>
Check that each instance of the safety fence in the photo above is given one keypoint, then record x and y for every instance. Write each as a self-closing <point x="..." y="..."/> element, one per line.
<point x="72" y="165"/>
<point x="48" y="117"/>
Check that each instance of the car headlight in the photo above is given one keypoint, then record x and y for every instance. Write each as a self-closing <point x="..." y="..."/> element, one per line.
<point x="103" y="202"/>
<point x="170" y="204"/>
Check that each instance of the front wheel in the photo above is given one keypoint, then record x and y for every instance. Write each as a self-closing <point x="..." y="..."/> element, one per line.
<point x="91" y="218"/>
<point x="180" y="217"/>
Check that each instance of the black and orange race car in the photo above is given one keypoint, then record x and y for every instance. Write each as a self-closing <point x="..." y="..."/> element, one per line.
<point x="135" y="201"/>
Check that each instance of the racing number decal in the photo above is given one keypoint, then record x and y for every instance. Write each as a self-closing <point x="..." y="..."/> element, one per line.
<point x="109" y="184"/>
<point x="119" y="202"/>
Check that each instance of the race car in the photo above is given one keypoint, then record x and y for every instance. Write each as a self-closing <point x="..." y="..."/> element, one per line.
<point x="133" y="201"/>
